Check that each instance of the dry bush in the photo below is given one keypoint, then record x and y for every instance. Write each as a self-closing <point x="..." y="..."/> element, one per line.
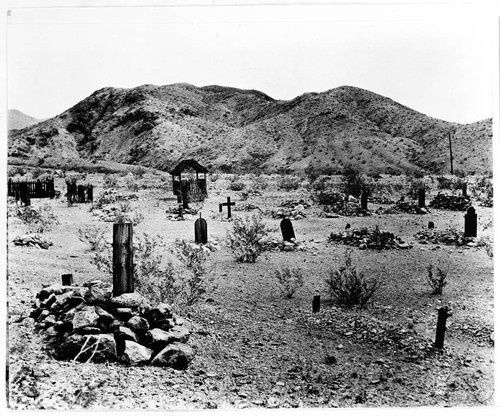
<point x="437" y="281"/>
<point x="245" y="239"/>
<point x="348" y="286"/>
<point x="236" y="184"/>
<point x="37" y="219"/>
<point x="288" y="183"/>
<point x="92" y="236"/>
<point x="290" y="280"/>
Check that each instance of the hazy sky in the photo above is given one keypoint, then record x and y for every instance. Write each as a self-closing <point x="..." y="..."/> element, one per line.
<point x="437" y="60"/>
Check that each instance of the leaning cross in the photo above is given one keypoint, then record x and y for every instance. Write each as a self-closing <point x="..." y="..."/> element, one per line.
<point x="228" y="205"/>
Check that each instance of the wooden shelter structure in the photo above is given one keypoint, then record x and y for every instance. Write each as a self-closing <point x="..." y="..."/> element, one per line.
<point x="189" y="180"/>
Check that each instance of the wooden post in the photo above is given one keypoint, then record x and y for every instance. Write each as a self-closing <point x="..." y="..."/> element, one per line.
<point x="421" y="198"/>
<point x="67" y="279"/>
<point x="464" y="189"/>
<point x="470" y="229"/>
<point x="123" y="279"/>
<point x="451" y="154"/>
<point x="364" y="200"/>
<point x="316" y="303"/>
<point x="441" y="327"/>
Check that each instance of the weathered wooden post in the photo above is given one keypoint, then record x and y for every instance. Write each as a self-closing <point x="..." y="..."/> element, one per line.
<point x="364" y="200"/>
<point x="90" y="193"/>
<point x="316" y="303"/>
<point x="421" y="198"/>
<point x="464" y="189"/>
<point x="470" y="223"/>
<point x="441" y="327"/>
<point x="451" y="154"/>
<point x="81" y="193"/>
<point x="123" y="279"/>
<point x="67" y="279"/>
<point x="24" y="193"/>
<point x="430" y="226"/>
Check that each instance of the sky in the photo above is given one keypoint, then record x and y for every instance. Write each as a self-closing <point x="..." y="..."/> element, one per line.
<point x="438" y="60"/>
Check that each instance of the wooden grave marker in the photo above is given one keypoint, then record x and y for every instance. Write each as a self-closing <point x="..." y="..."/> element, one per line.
<point x="200" y="231"/>
<point x="287" y="230"/>
<point x="464" y="189"/>
<point x="227" y="204"/>
<point x="364" y="200"/>
<point x="441" y="327"/>
<point x="67" y="279"/>
<point x="123" y="279"/>
<point x="470" y="223"/>
<point x="430" y="226"/>
<point x="316" y="303"/>
<point x="421" y="198"/>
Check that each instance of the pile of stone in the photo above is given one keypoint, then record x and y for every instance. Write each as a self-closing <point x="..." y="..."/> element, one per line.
<point x="209" y="247"/>
<point x="293" y="214"/>
<point x="180" y="214"/>
<point x="347" y="209"/>
<point x="297" y="205"/>
<point x="451" y="202"/>
<point x="450" y="237"/>
<point x="245" y="207"/>
<point x="380" y="199"/>
<point x="366" y="238"/>
<point x="32" y="240"/>
<point x="87" y="323"/>
<point x="274" y="244"/>
<point x="403" y="207"/>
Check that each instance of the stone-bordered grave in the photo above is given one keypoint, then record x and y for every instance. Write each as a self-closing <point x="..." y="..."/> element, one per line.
<point x="369" y="238"/>
<point x="87" y="323"/>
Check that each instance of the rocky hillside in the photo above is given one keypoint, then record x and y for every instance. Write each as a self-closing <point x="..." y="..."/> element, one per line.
<point x="18" y="120"/>
<point x="246" y="130"/>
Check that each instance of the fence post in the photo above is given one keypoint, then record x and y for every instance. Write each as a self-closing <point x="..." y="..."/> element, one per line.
<point x="316" y="303"/>
<point x="441" y="327"/>
<point x="123" y="279"/>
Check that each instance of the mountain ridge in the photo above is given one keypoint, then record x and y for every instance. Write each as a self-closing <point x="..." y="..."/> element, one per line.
<point x="234" y="129"/>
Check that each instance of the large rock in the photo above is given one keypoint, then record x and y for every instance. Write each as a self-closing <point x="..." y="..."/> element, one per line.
<point x="124" y="313"/>
<point x="105" y="320"/>
<point x="87" y="317"/>
<point x="70" y="347"/>
<point x="158" y="315"/>
<point x="135" y="353"/>
<point x="66" y="301"/>
<point x="98" y="293"/>
<point x="175" y="355"/>
<point x="137" y="324"/>
<point x="158" y="338"/>
<point x="130" y="300"/>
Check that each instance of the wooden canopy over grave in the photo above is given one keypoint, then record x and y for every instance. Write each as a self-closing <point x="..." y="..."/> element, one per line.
<point x="190" y="178"/>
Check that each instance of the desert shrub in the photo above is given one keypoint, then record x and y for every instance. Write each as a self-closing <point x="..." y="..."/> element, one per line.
<point x="260" y="183"/>
<point x="37" y="172"/>
<point x="353" y="182"/>
<point x="444" y="182"/>
<point x="109" y="181"/>
<point x="125" y="206"/>
<point x="415" y="185"/>
<point x="348" y="286"/>
<point x="194" y="282"/>
<point x="436" y="281"/>
<point x="92" y="236"/>
<point x="459" y="173"/>
<point x="37" y="219"/>
<point x="487" y="244"/>
<point x="16" y="170"/>
<point x="236" y="184"/>
<point x="131" y="184"/>
<point x="214" y="177"/>
<point x="139" y="171"/>
<point x="289" y="280"/>
<point x="288" y="183"/>
<point x="245" y="239"/>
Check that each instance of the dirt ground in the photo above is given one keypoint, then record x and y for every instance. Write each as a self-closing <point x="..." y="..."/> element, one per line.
<point x="254" y="348"/>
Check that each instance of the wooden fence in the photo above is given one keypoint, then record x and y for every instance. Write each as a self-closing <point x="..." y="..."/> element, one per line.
<point x="79" y="193"/>
<point x="31" y="189"/>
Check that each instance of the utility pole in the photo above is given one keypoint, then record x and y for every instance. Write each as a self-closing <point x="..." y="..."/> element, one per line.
<point x="451" y="154"/>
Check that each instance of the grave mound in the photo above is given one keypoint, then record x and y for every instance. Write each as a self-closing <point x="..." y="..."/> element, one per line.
<point x="32" y="240"/>
<point x="403" y="207"/>
<point x="451" y="202"/>
<point x="366" y="238"/>
<point x="87" y="323"/>
<point x="450" y="237"/>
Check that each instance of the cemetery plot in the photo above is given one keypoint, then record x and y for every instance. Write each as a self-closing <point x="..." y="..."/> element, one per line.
<point x="244" y="341"/>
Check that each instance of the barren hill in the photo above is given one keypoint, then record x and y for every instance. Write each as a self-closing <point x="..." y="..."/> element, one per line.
<point x="18" y="120"/>
<point x="246" y="130"/>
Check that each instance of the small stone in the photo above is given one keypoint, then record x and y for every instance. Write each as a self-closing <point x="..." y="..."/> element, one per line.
<point x="124" y="313"/>
<point x="86" y="317"/>
<point x="135" y="353"/>
<point x="175" y="355"/>
<point x="159" y="314"/>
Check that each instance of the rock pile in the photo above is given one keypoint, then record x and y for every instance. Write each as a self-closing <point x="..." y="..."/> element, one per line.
<point x="293" y="214"/>
<point x="246" y="207"/>
<point x="365" y="238"/>
<point x="451" y="237"/>
<point x="347" y="209"/>
<point x="451" y="202"/>
<point x="32" y="240"/>
<point x="276" y="245"/>
<point x="174" y="213"/>
<point x="87" y="323"/>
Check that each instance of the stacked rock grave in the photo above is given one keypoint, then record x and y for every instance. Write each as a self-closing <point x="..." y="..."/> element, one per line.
<point x="87" y="323"/>
<point x="451" y="202"/>
<point x="32" y="240"/>
<point x="369" y="238"/>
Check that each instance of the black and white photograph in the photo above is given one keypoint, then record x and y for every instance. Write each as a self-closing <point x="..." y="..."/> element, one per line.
<point x="260" y="207"/>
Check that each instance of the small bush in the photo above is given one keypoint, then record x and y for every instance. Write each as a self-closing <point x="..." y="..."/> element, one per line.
<point x="353" y="182"/>
<point x="236" y="184"/>
<point x="92" y="236"/>
<point x="289" y="280"/>
<point x="260" y="183"/>
<point x="444" y="182"/>
<point x="415" y="185"/>
<point x="288" y="183"/>
<point x="437" y="282"/>
<point x="110" y="181"/>
<point x="37" y="220"/>
<point x="16" y="170"/>
<point x="348" y="286"/>
<point x="245" y="239"/>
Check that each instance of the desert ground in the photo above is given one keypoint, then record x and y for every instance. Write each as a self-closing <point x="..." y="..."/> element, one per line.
<point x="254" y="347"/>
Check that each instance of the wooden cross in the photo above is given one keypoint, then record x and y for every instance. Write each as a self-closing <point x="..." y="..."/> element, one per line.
<point x="228" y="205"/>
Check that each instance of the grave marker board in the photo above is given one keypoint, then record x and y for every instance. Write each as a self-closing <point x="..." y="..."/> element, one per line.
<point x="287" y="230"/>
<point x="200" y="231"/>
